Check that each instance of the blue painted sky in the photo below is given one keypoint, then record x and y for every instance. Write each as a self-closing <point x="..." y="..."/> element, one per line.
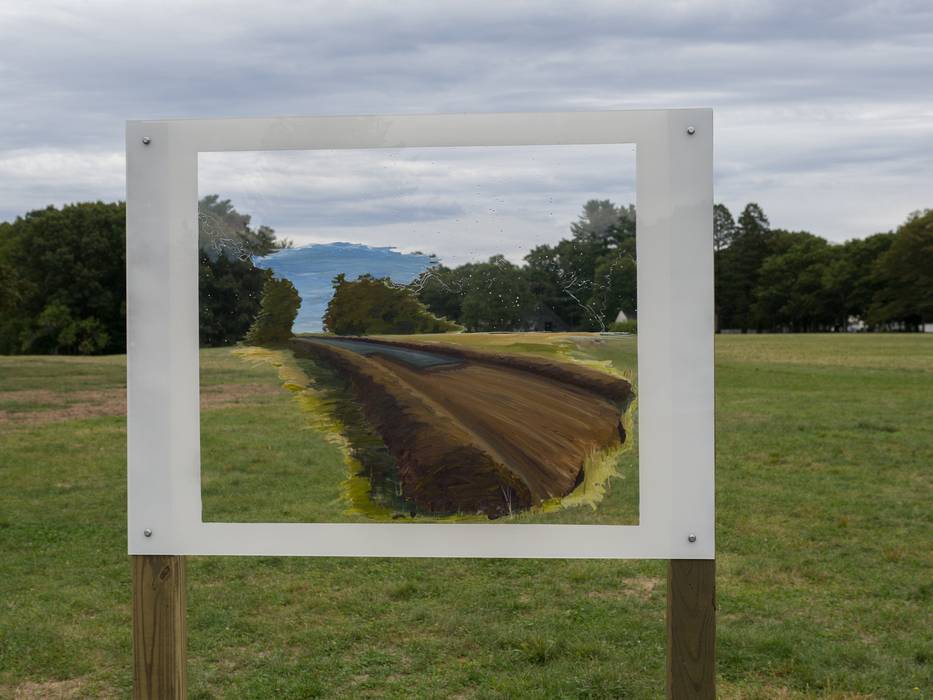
<point x="311" y="268"/>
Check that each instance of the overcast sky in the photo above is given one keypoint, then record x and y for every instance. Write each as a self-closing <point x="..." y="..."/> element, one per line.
<point x="824" y="110"/>
<point x="460" y="204"/>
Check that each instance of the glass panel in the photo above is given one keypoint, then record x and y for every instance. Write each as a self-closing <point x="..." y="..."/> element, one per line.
<point x="419" y="335"/>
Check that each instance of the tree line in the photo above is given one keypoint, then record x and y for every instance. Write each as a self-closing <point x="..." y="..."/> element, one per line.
<point x="772" y="279"/>
<point x="766" y="279"/>
<point x="62" y="278"/>
<point x="579" y="283"/>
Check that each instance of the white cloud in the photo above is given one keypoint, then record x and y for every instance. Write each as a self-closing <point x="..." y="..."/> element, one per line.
<point x="34" y="178"/>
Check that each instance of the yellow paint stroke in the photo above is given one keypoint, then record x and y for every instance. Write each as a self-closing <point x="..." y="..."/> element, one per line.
<point x="599" y="468"/>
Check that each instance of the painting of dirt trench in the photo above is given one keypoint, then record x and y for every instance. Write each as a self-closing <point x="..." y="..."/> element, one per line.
<point x="423" y="334"/>
<point x="473" y="431"/>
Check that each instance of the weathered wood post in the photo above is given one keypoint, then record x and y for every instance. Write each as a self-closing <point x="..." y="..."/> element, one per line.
<point x="160" y="633"/>
<point x="691" y="629"/>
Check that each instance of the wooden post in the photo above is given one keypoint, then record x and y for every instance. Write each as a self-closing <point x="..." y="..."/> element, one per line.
<point x="691" y="629"/>
<point x="159" y="627"/>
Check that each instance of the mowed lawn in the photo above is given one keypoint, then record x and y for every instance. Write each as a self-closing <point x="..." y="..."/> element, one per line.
<point x="825" y="464"/>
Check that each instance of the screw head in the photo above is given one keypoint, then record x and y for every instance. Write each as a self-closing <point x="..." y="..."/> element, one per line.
<point x="147" y="532"/>
<point x="691" y="537"/>
<point x="146" y="140"/>
<point x="691" y="130"/>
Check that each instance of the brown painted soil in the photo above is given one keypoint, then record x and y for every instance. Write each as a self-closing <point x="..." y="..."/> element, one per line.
<point x="482" y="436"/>
<point x="613" y="388"/>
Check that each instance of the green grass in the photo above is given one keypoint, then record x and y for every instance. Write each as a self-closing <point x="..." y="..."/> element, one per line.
<point x="825" y="572"/>
<point x="283" y="472"/>
<point x="62" y="374"/>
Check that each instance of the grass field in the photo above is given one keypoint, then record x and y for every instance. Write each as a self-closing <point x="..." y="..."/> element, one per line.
<point x="825" y="463"/>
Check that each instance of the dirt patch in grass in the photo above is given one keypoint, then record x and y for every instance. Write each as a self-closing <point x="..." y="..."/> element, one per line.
<point x="30" y="690"/>
<point x="39" y="407"/>
<point x="640" y="587"/>
<point x="224" y="395"/>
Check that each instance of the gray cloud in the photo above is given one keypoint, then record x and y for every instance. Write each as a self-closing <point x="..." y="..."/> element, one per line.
<point x="824" y="111"/>
<point x="458" y="203"/>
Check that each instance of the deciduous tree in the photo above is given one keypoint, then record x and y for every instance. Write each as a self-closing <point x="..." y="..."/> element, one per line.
<point x="905" y="274"/>
<point x="372" y="306"/>
<point x="724" y="228"/>
<point x="63" y="280"/>
<point x="278" y="309"/>
<point x="737" y="269"/>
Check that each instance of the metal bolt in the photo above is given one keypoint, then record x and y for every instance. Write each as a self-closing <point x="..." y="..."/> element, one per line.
<point x="691" y="130"/>
<point x="147" y="532"/>
<point x="691" y="537"/>
<point x="147" y="140"/>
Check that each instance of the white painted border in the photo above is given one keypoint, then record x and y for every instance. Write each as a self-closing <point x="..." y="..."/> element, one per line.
<point x="675" y="336"/>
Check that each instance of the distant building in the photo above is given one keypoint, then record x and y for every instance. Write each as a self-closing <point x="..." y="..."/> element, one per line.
<point x="622" y="317"/>
<point x="856" y="325"/>
<point x="543" y="319"/>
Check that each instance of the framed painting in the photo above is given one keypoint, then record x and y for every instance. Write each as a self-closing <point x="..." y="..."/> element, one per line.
<point x="460" y="374"/>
